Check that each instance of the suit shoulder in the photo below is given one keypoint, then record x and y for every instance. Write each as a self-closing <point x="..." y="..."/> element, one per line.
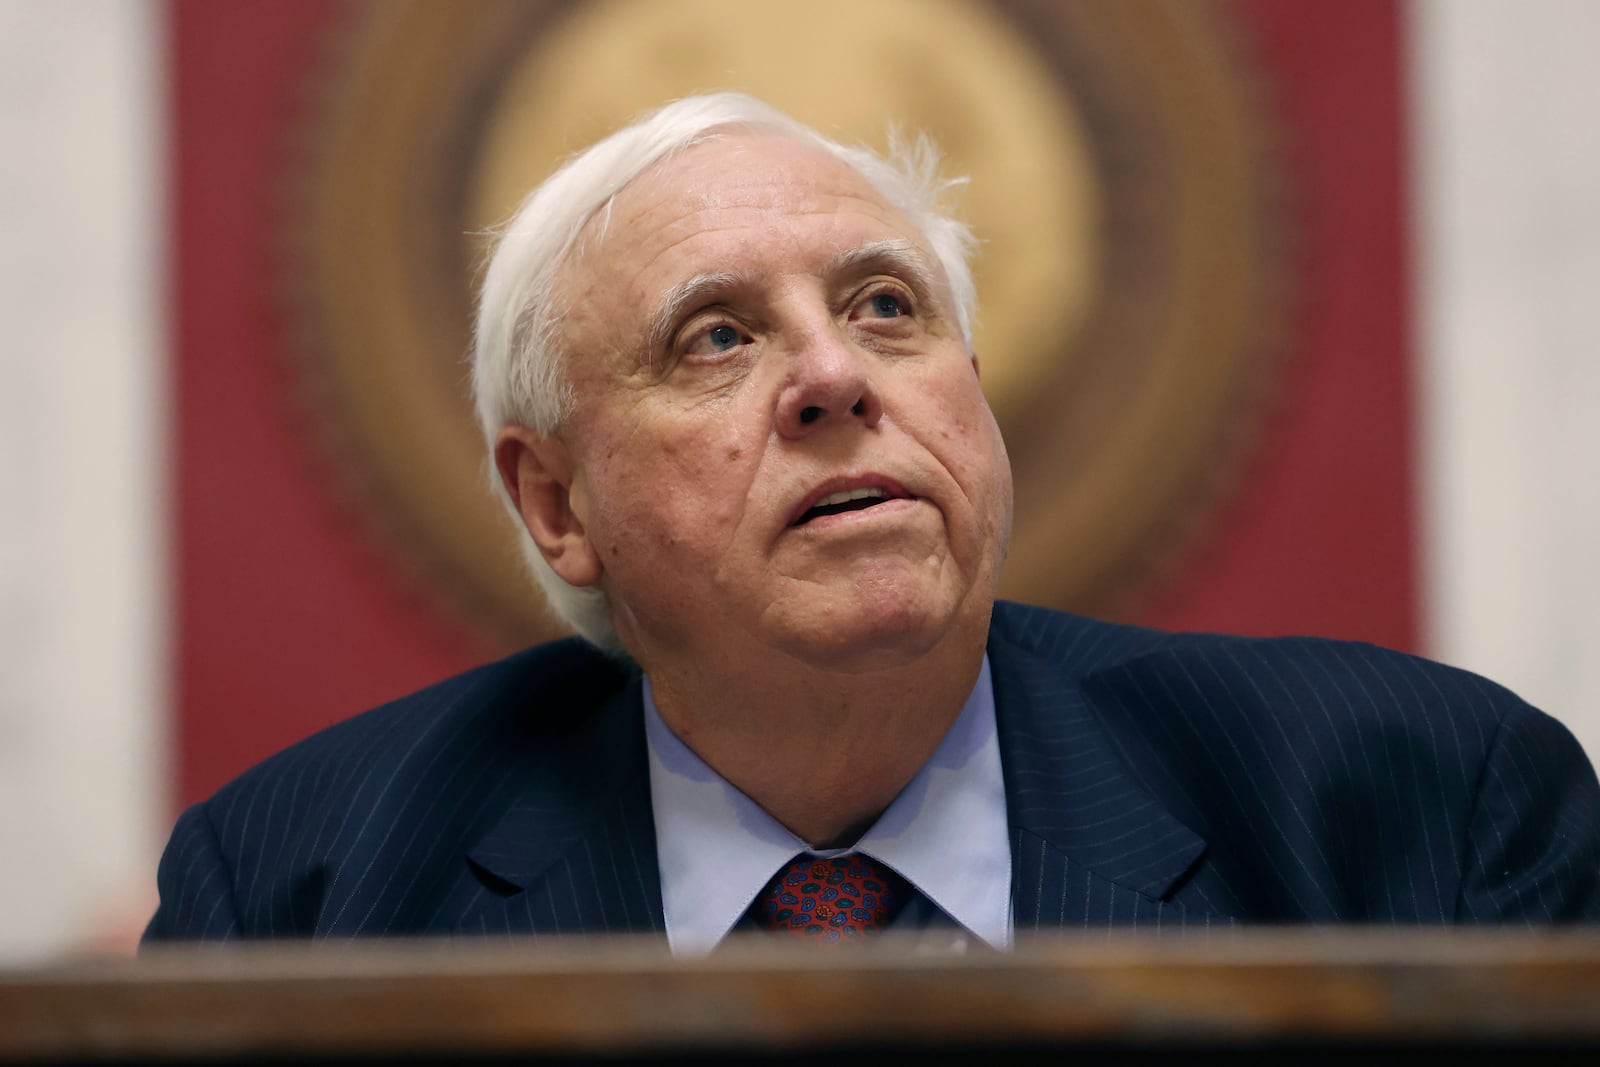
<point x="538" y="688"/>
<point x="1293" y="691"/>
<point x="1060" y="637"/>
<point x="1165" y="684"/>
<point x="1339" y="780"/>
<point x="1250" y="675"/>
<point x="1352" y="672"/>
<point x="284" y="848"/>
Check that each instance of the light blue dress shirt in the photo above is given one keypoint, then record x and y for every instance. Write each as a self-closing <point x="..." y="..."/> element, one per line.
<point x="945" y="833"/>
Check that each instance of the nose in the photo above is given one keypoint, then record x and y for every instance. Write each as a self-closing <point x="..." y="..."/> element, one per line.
<point x="828" y="382"/>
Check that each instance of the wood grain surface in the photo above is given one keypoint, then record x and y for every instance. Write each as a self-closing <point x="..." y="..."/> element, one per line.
<point x="1356" y="988"/>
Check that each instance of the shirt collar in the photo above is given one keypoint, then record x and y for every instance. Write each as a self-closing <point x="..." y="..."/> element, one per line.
<point x="945" y="833"/>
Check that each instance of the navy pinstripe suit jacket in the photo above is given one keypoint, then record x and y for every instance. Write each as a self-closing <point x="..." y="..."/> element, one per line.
<point x="1152" y="779"/>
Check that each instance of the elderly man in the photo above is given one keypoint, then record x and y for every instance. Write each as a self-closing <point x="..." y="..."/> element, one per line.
<point x="725" y="370"/>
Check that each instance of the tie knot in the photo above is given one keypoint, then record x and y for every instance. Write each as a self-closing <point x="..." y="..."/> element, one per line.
<point x="830" y="900"/>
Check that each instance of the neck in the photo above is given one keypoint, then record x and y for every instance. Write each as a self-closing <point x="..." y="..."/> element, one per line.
<point x="823" y="752"/>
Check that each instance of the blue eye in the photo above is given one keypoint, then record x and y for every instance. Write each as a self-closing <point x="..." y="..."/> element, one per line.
<point x="887" y="306"/>
<point x="722" y="337"/>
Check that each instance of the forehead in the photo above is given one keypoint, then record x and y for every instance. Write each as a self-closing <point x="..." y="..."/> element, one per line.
<point x="739" y="201"/>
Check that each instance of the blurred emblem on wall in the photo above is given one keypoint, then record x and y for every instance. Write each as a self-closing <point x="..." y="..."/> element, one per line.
<point x="1132" y="274"/>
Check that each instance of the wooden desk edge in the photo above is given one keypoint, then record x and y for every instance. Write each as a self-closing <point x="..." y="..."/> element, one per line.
<point x="518" y="996"/>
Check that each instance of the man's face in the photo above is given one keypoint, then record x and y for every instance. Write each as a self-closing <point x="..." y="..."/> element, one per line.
<point x="755" y="338"/>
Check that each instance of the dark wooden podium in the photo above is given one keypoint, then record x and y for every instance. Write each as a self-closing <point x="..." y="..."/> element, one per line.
<point x="1258" y="995"/>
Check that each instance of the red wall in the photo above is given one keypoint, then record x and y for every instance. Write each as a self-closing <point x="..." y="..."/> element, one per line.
<point x="1320" y="540"/>
<point x="287" y="619"/>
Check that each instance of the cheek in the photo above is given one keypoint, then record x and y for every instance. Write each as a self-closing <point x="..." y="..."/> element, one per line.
<point x="679" y="494"/>
<point x="961" y="422"/>
<point x="967" y="441"/>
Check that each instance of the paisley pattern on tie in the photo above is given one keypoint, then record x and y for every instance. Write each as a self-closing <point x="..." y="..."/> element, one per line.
<point x="830" y="900"/>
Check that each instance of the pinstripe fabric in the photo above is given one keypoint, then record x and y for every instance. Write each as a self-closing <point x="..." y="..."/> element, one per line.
<point x="1176" y="782"/>
<point x="511" y="799"/>
<point x="1330" y="782"/>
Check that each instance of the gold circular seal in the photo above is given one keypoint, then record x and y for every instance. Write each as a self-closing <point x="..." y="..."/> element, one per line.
<point x="1129" y="276"/>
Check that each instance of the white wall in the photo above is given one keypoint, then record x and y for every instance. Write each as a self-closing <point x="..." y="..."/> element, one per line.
<point x="1507" y="113"/>
<point x="82" y="575"/>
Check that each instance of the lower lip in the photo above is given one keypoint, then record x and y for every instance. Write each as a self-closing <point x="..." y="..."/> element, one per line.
<point x="843" y="519"/>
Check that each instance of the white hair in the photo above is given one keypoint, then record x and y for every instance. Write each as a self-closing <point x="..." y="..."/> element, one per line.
<point x="517" y="374"/>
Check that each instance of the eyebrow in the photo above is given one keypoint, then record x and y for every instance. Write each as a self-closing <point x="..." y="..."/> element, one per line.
<point x="684" y="295"/>
<point x="904" y="259"/>
<point x="901" y="258"/>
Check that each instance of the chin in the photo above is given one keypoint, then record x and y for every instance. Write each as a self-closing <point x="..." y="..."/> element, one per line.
<point x="870" y="634"/>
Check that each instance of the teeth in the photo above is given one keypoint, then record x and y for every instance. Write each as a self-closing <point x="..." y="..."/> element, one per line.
<point x="848" y="495"/>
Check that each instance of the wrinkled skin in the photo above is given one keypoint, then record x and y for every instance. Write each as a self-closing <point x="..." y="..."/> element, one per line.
<point x="688" y="462"/>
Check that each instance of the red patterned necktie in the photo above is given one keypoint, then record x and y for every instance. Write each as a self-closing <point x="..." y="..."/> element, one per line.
<point x="830" y="901"/>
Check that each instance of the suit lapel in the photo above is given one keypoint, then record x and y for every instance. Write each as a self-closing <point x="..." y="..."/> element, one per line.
<point x="1089" y="846"/>
<point x="575" y="850"/>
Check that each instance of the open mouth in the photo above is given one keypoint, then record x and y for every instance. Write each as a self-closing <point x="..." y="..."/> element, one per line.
<point x="845" y="500"/>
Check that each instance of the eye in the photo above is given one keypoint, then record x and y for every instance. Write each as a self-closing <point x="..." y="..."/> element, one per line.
<point x="721" y="338"/>
<point x="881" y="303"/>
<point x="714" y="340"/>
<point x="886" y="305"/>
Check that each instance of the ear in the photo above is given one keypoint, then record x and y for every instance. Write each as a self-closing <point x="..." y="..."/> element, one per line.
<point x="537" y="472"/>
